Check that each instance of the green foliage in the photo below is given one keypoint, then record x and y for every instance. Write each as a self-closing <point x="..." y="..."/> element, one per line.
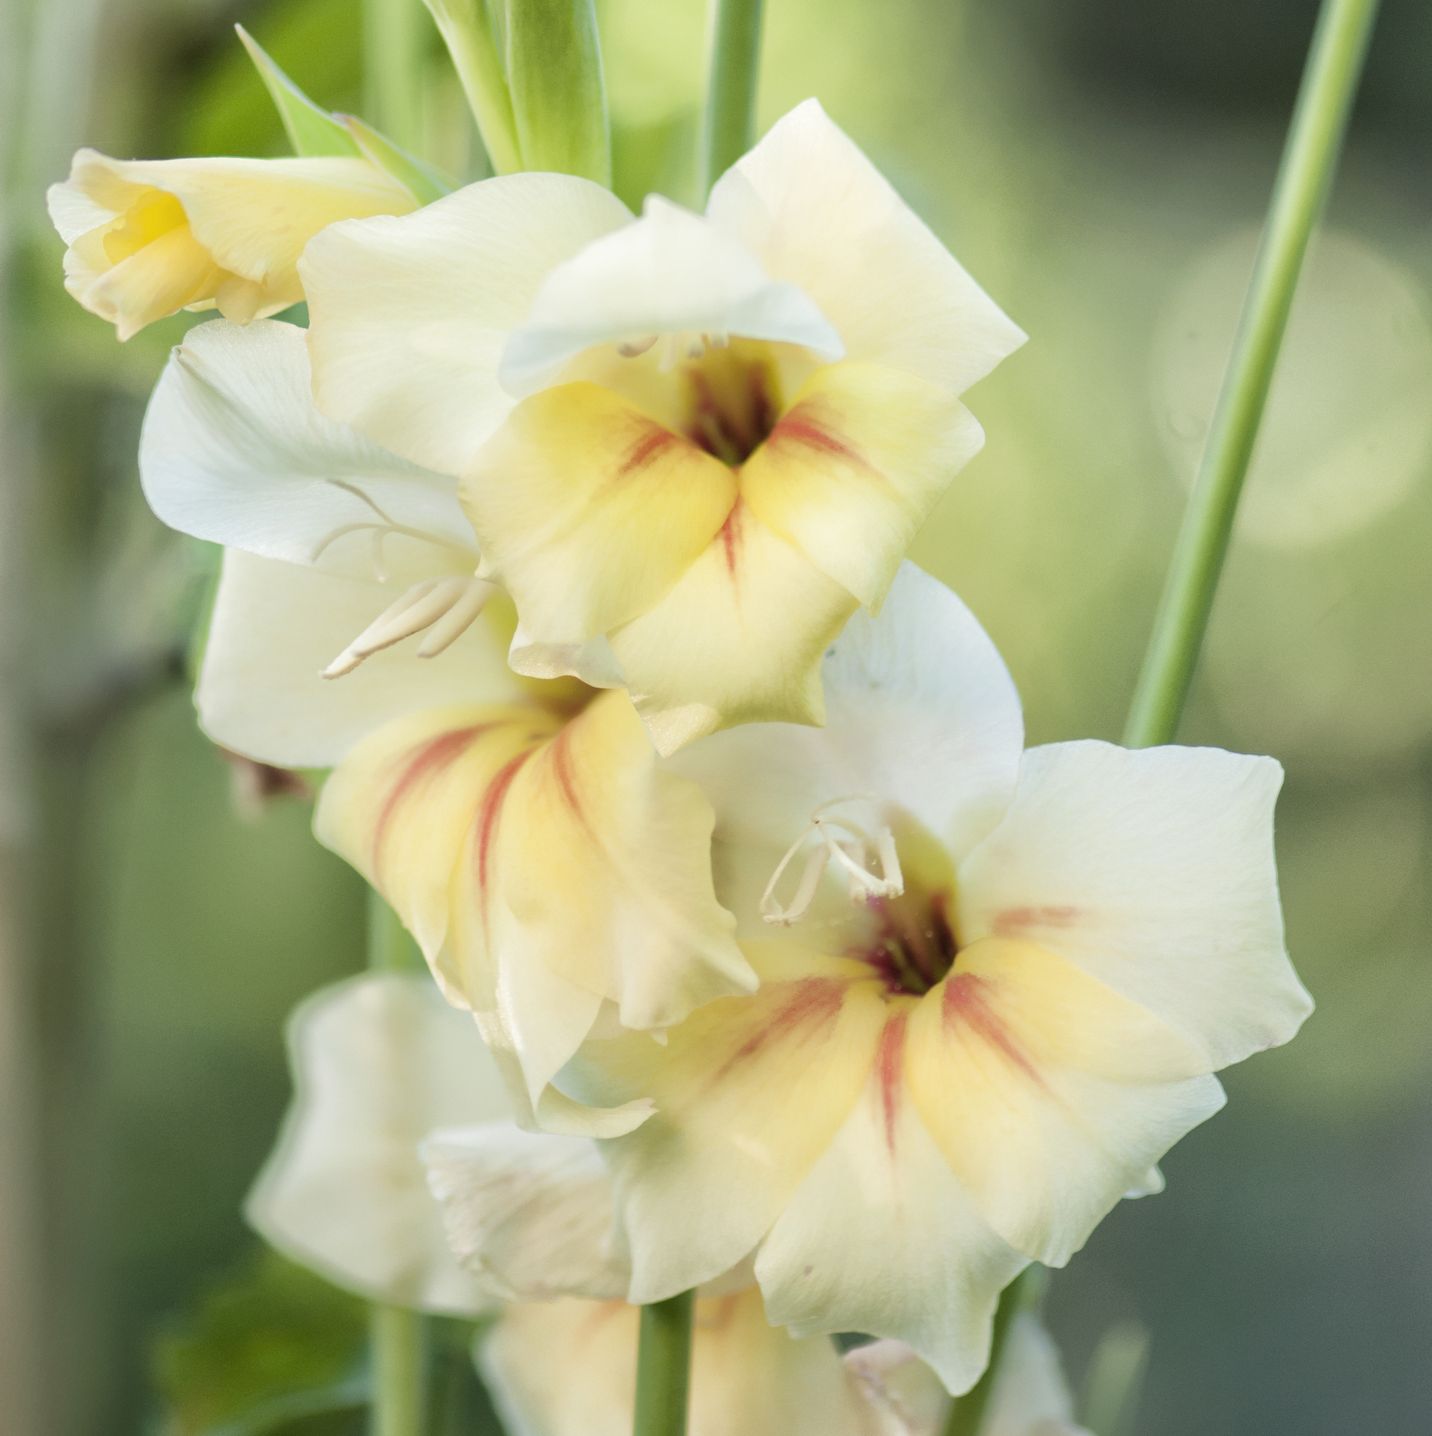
<point x="271" y="1350"/>
<point x="311" y="130"/>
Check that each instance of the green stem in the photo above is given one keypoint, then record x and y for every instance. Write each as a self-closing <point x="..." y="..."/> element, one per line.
<point x="393" y="32"/>
<point x="663" y="1367"/>
<point x="730" y="119"/>
<point x="1315" y="135"/>
<point x="398" y="1343"/>
<point x="398" y="1338"/>
<point x="1314" y="138"/>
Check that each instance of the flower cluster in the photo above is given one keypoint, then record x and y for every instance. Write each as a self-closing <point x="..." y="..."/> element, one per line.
<point x="570" y="541"/>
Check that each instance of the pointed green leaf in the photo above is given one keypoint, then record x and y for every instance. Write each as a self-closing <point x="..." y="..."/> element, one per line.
<point x="311" y="130"/>
<point x="425" y="183"/>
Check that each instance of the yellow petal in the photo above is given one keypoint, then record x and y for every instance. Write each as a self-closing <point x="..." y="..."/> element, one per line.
<point x="749" y="1092"/>
<point x="589" y="511"/>
<point x="400" y="805"/>
<point x="1049" y="1094"/>
<point x="854" y="467"/>
<point x="738" y="640"/>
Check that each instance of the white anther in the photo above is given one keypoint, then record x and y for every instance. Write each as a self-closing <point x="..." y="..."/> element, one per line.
<point x="635" y="348"/>
<point x="851" y="848"/>
<point x="446" y="606"/>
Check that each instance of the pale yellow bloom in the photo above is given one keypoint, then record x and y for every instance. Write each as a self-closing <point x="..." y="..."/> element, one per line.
<point x="691" y="445"/>
<point x="556" y="876"/>
<point x="148" y="238"/>
<point x="995" y="986"/>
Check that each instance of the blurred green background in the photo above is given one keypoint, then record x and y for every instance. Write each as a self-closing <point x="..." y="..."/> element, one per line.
<point x="1102" y="166"/>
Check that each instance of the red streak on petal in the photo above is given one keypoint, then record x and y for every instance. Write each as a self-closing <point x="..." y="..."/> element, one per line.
<point x="888" y="1071"/>
<point x="487" y="815"/>
<point x="967" y="1000"/>
<point x="653" y="443"/>
<point x="730" y="538"/>
<point x="561" y="753"/>
<point x="813" y="1003"/>
<point x="1019" y="919"/>
<point x="428" y="760"/>
<point x="798" y="427"/>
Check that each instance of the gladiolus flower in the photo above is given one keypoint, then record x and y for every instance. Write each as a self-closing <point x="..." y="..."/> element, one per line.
<point x="148" y="238"/>
<point x="552" y="872"/>
<point x="994" y="987"/>
<point x="379" y="1062"/>
<point x="690" y="445"/>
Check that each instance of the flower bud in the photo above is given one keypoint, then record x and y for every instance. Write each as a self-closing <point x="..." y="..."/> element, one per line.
<point x="148" y="238"/>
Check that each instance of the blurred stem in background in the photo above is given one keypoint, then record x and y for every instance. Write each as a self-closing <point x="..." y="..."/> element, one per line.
<point x="1315" y="137"/>
<point x="733" y="73"/>
<point x="1310" y="153"/>
<point x="394" y="32"/>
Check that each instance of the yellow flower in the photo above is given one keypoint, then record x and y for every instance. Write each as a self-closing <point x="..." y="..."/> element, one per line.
<point x="555" y="875"/>
<point x="995" y="986"/>
<point x="690" y="444"/>
<point x="148" y="238"/>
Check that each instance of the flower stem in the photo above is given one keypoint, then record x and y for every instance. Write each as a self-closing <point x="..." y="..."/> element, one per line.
<point x="393" y="33"/>
<point x="729" y="122"/>
<point x="398" y="1338"/>
<point x="663" y="1367"/>
<point x="1315" y="135"/>
<point x="1310" y="154"/>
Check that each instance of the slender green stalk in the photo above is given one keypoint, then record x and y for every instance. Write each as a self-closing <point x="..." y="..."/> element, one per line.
<point x="1314" y="138"/>
<point x="398" y="1338"/>
<point x="730" y="119"/>
<point x="1310" y="154"/>
<point x="398" y="1342"/>
<point x="663" y="1367"/>
<point x="393" y="34"/>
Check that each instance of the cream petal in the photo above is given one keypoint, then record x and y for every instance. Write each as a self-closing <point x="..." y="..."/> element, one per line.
<point x="738" y="639"/>
<point x="588" y="511"/>
<point x="701" y="1182"/>
<point x="530" y="1215"/>
<point x="920" y="712"/>
<point x="1154" y="871"/>
<point x="378" y="1062"/>
<point x="274" y="628"/>
<point x="882" y="1237"/>
<point x="669" y="272"/>
<point x="233" y="450"/>
<point x="854" y="466"/>
<point x="1049" y="1094"/>
<point x="409" y="317"/>
<point x="817" y="213"/>
<point x="169" y="273"/>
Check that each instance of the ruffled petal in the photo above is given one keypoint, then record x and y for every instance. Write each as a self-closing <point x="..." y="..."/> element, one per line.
<point x="378" y="1061"/>
<point x="738" y="639"/>
<point x="882" y="1237"/>
<point x="409" y="317"/>
<point x="854" y="467"/>
<point x="234" y="450"/>
<point x="1049" y="1094"/>
<point x="588" y="511"/>
<point x="529" y="1215"/>
<point x="275" y="627"/>
<point x="669" y="272"/>
<point x="701" y="1182"/>
<point x="921" y="713"/>
<point x="817" y="213"/>
<point x="1154" y="871"/>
